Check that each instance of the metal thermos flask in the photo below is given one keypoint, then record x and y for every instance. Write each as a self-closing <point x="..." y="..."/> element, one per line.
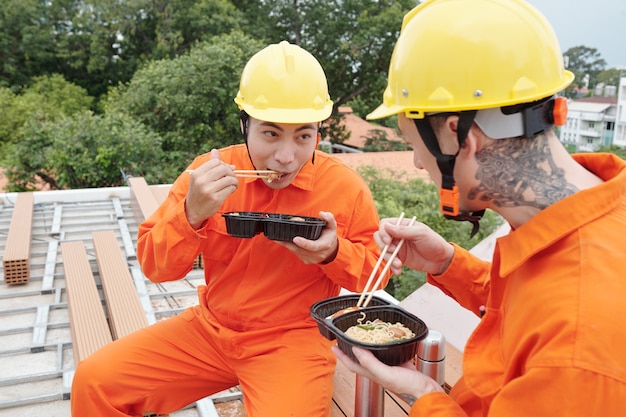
<point x="431" y="356"/>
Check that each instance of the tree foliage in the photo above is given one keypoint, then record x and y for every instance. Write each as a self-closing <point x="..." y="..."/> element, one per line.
<point x="377" y="141"/>
<point x="84" y="151"/>
<point x="583" y="62"/>
<point x="48" y="99"/>
<point x="611" y="76"/>
<point x="99" y="43"/>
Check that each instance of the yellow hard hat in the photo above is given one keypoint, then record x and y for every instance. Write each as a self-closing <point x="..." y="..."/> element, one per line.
<point x="283" y="83"/>
<point x="455" y="55"/>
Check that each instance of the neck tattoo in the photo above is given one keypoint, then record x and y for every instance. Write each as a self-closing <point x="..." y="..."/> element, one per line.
<point x="520" y="172"/>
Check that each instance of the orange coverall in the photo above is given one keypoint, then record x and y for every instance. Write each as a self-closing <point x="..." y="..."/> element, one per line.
<point x="553" y="339"/>
<point x="252" y="326"/>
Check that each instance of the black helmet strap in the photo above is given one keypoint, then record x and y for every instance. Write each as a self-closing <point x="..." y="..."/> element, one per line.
<point x="449" y="194"/>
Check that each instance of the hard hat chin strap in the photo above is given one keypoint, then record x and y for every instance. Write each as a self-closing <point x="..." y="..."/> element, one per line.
<point x="449" y="193"/>
<point x="244" y="119"/>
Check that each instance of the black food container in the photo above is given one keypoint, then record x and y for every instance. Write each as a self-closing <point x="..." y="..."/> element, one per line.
<point x="322" y="310"/>
<point x="244" y="224"/>
<point x="393" y="353"/>
<point x="283" y="227"/>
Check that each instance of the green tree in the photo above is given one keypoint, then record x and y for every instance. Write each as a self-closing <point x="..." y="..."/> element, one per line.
<point x="47" y="98"/>
<point x="27" y="40"/>
<point x="99" y="43"/>
<point x="377" y="141"/>
<point x="83" y="151"/>
<point x="110" y="39"/>
<point x="416" y="197"/>
<point x="8" y="124"/>
<point x="583" y="61"/>
<point x="611" y="76"/>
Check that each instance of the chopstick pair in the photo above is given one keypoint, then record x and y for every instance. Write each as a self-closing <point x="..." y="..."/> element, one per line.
<point x="363" y="303"/>
<point x="251" y="173"/>
<point x="244" y="173"/>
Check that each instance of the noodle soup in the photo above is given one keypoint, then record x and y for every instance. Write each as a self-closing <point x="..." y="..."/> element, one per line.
<point x="378" y="332"/>
<point x="322" y="311"/>
<point x="393" y="352"/>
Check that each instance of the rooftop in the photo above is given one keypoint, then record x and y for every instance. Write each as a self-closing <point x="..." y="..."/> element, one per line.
<point x="596" y="99"/>
<point x="588" y="106"/>
<point x="399" y="163"/>
<point x="360" y="129"/>
<point x="36" y="341"/>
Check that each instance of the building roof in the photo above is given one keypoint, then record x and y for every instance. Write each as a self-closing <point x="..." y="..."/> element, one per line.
<point x="596" y="99"/>
<point x="360" y="129"/>
<point x="398" y="163"/>
<point x="585" y="106"/>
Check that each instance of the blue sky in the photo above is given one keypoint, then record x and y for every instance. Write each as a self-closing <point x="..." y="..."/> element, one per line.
<point x="600" y="24"/>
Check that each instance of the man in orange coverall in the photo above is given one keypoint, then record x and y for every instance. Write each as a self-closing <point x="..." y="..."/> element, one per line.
<point x="252" y="326"/>
<point x="473" y="85"/>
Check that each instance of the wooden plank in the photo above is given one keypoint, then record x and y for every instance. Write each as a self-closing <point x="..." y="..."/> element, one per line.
<point x="126" y="313"/>
<point x="16" y="258"/>
<point x="335" y="411"/>
<point x="124" y="308"/>
<point x="454" y="366"/>
<point x="88" y="324"/>
<point x="142" y="200"/>
<point x="160" y="192"/>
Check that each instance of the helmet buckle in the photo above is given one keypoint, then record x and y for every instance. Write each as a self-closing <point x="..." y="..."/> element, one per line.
<point x="449" y="200"/>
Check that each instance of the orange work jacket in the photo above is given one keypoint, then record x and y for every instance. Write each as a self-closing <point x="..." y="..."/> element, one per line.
<point x="553" y="339"/>
<point x="256" y="283"/>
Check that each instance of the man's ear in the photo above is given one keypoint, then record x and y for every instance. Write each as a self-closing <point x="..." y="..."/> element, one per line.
<point x="473" y="143"/>
<point x="447" y="135"/>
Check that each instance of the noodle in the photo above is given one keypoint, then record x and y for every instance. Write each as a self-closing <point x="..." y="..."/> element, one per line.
<point x="378" y="332"/>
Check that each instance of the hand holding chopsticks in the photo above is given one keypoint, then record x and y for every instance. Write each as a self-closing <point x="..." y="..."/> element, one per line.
<point x="371" y="290"/>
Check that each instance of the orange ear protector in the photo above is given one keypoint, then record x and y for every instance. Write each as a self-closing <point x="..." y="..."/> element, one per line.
<point x="559" y="111"/>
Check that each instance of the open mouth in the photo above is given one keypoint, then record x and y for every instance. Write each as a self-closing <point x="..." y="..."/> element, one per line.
<point x="275" y="176"/>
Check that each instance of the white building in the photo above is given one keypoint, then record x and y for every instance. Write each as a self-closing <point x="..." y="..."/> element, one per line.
<point x="619" y="137"/>
<point x="590" y="124"/>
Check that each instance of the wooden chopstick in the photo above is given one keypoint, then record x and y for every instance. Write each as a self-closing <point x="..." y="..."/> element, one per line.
<point x="366" y="289"/>
<point x="238" y="175"/>
<point x="387" y="266"/>
<point x="249" y="173"/>
<point x="255" y="171"/>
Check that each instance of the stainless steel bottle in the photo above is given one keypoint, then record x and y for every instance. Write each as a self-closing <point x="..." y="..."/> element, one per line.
<point x="431" y="356"/>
